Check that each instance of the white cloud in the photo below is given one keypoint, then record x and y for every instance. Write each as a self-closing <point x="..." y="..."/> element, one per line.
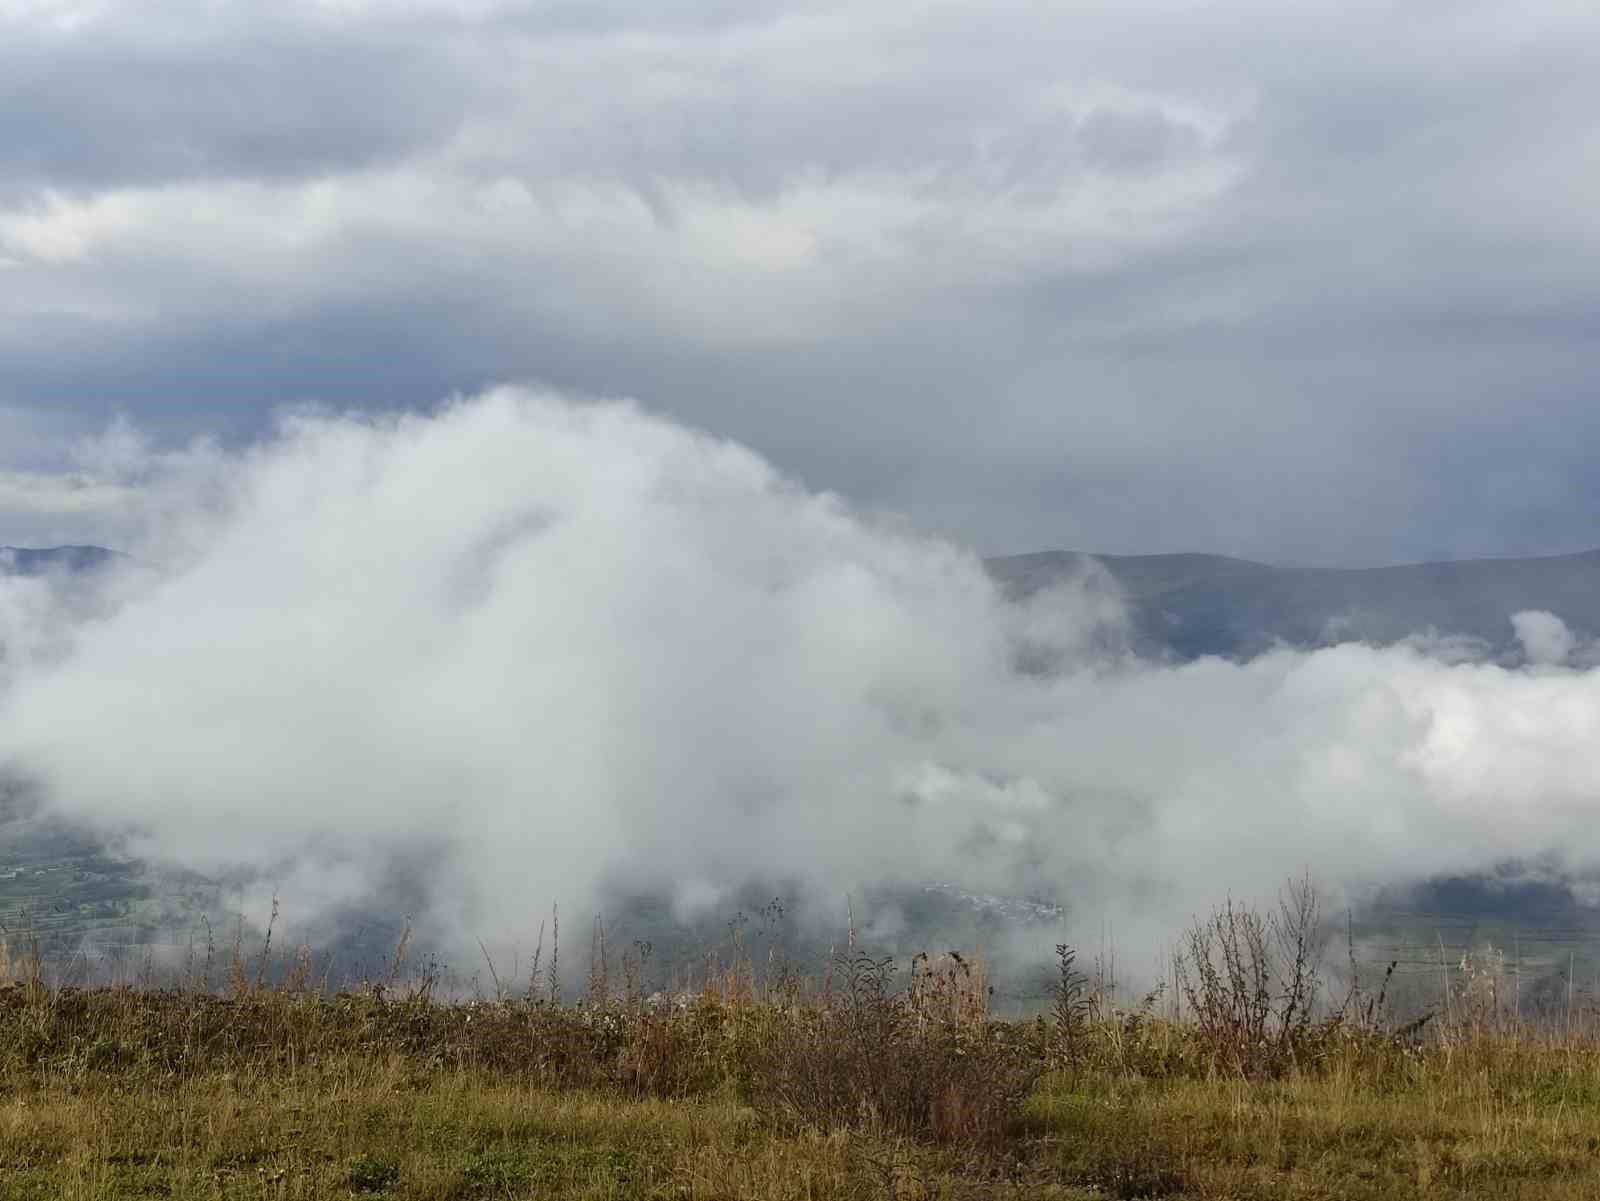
<point x="1545" y="638"/>
<point x="544" y="650"/>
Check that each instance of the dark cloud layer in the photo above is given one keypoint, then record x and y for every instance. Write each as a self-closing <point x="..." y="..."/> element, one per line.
<point x="1313" y="283"/>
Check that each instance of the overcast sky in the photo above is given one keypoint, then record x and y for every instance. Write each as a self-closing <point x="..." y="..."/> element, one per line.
<point x="1313" y="282"/>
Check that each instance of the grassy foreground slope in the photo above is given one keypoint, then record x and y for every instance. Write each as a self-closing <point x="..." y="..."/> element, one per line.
<point x="865" y="1083"/>
<point x="369" y="1129"/>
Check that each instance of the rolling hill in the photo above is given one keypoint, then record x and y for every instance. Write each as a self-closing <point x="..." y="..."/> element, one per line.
<point x="1189" y="605"/>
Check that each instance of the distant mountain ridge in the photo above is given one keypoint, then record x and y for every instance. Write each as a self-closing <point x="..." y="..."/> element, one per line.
<point x="1190" y="605"/>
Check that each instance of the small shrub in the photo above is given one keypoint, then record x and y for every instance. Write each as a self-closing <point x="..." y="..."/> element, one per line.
<point x="925" y="1063"/>
<point x="372" y="1174"/>
<point x="1070" y="1008"/>
<point x="680" y="1053"/>
<point x="497" y="1173"/>
<point x="1130" y="1170"/>
<point x="1251" y="982"/>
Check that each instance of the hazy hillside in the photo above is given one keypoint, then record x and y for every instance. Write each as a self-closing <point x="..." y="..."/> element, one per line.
<point x="1194" y="605"/>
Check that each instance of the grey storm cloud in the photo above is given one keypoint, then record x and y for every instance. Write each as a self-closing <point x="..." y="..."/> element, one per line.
<point x="1309" y="283"/>
<point x="85" y="117"/>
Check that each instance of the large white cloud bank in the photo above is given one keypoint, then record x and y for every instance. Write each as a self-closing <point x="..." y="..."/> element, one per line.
<point x="535" y="650"/>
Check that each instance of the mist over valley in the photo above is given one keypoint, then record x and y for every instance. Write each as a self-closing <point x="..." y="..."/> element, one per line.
<point x="458" y="668"/>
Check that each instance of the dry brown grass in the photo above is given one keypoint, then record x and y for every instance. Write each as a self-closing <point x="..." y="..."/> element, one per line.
<point x="864" y="1082"/>
<point x="927" y="1062"/>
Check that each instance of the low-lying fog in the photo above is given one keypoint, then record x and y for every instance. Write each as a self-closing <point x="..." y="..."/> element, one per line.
<point x="525" y="651"/>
